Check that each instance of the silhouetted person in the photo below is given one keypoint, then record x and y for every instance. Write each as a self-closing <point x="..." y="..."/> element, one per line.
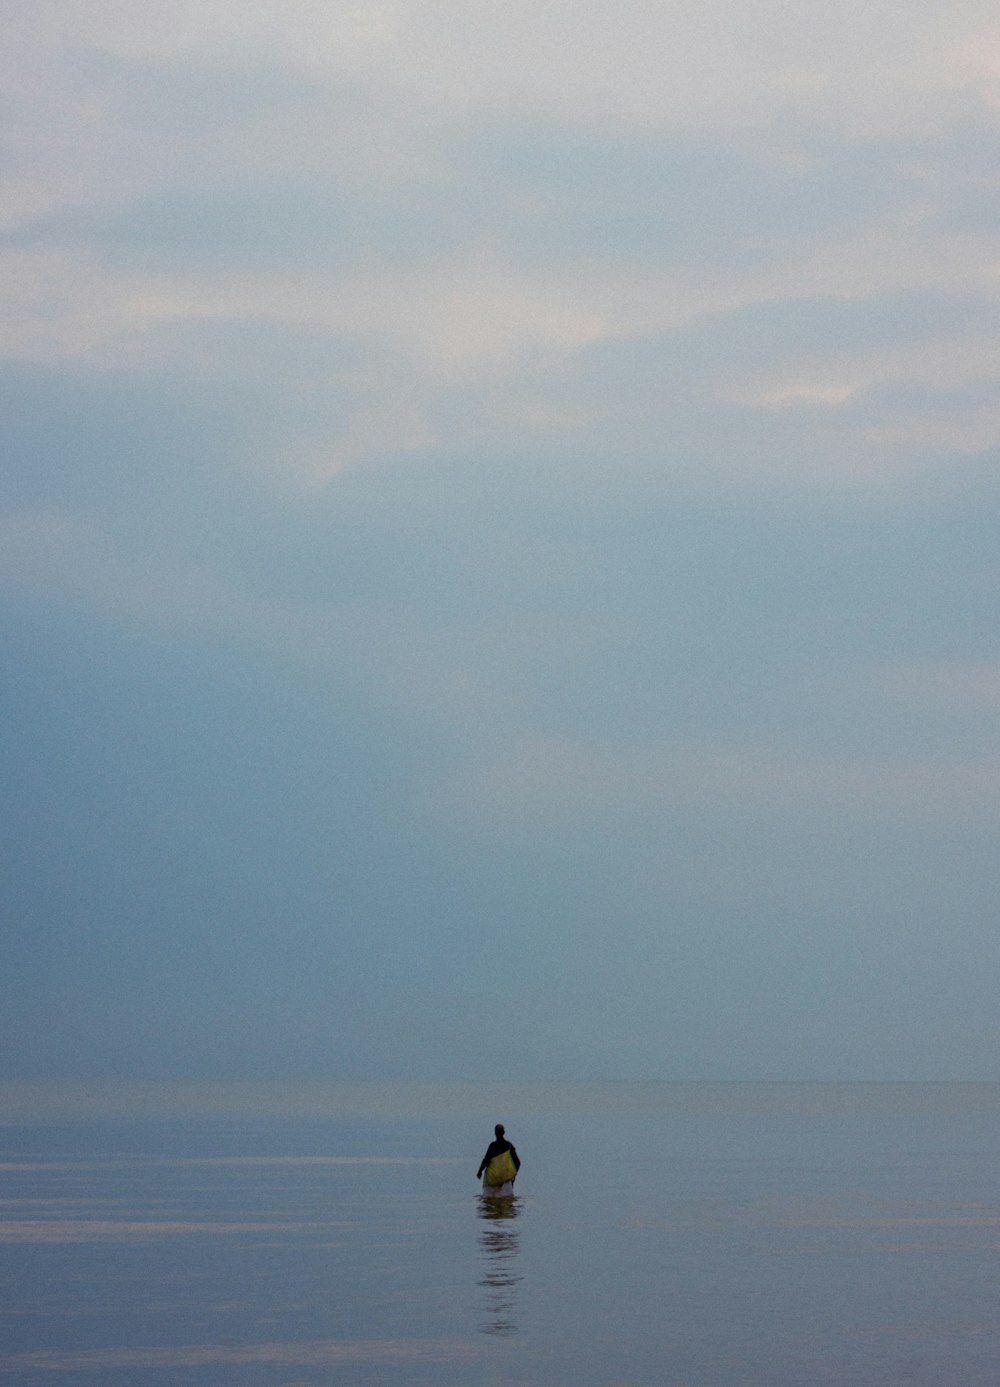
<point x="499" y="1166"/>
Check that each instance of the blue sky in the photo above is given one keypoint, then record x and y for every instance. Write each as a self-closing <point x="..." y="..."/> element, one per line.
<point x="498" y="544"/>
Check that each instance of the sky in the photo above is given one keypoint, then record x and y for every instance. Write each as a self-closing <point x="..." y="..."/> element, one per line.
<point x="498" y="543"/>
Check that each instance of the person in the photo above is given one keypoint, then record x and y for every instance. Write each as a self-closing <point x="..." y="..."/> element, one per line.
<point x="499" y="1166"/>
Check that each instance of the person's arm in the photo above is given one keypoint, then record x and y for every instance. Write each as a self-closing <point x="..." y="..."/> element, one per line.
<point x="515" y="1158"/>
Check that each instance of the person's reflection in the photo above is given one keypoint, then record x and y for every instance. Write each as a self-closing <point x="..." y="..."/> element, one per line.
<point x="498" y="1241"/>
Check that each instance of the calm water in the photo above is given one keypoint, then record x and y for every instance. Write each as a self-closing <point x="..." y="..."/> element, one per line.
<point x="664" y="1235"/>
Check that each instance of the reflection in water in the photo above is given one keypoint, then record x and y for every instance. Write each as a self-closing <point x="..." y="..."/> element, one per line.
<point x="498" y="1241"/>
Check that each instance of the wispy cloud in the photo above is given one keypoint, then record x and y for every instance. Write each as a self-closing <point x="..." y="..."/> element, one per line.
<point x="543" y="781"/>
<point x="738" y="160"/>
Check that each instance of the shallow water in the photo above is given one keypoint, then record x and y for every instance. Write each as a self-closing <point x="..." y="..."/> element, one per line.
<point x="677" y="1235"/>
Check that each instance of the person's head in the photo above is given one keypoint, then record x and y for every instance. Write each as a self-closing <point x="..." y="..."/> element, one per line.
<point x="499" y="1129"/>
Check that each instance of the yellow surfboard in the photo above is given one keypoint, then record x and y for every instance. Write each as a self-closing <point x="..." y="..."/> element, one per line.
<point x="500" y="1169"/>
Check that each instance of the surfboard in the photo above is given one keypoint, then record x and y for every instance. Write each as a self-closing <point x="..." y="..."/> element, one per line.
<point x="500" y="1171"/>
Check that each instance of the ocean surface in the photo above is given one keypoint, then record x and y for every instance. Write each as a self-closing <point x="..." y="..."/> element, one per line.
<point x="662" y="1235"/>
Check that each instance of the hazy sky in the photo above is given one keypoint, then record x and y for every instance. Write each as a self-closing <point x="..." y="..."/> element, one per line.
<point x="500" y="539"/>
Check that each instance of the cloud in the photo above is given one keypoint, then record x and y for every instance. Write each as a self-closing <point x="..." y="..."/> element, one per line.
<point x="544" y="780"/>
<point x="958" y="688"/>
<point x="644" y="62"/>
<point x="371" y="181"/>
<point x="456" y="455"/>
<point x="74" y="557"/>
